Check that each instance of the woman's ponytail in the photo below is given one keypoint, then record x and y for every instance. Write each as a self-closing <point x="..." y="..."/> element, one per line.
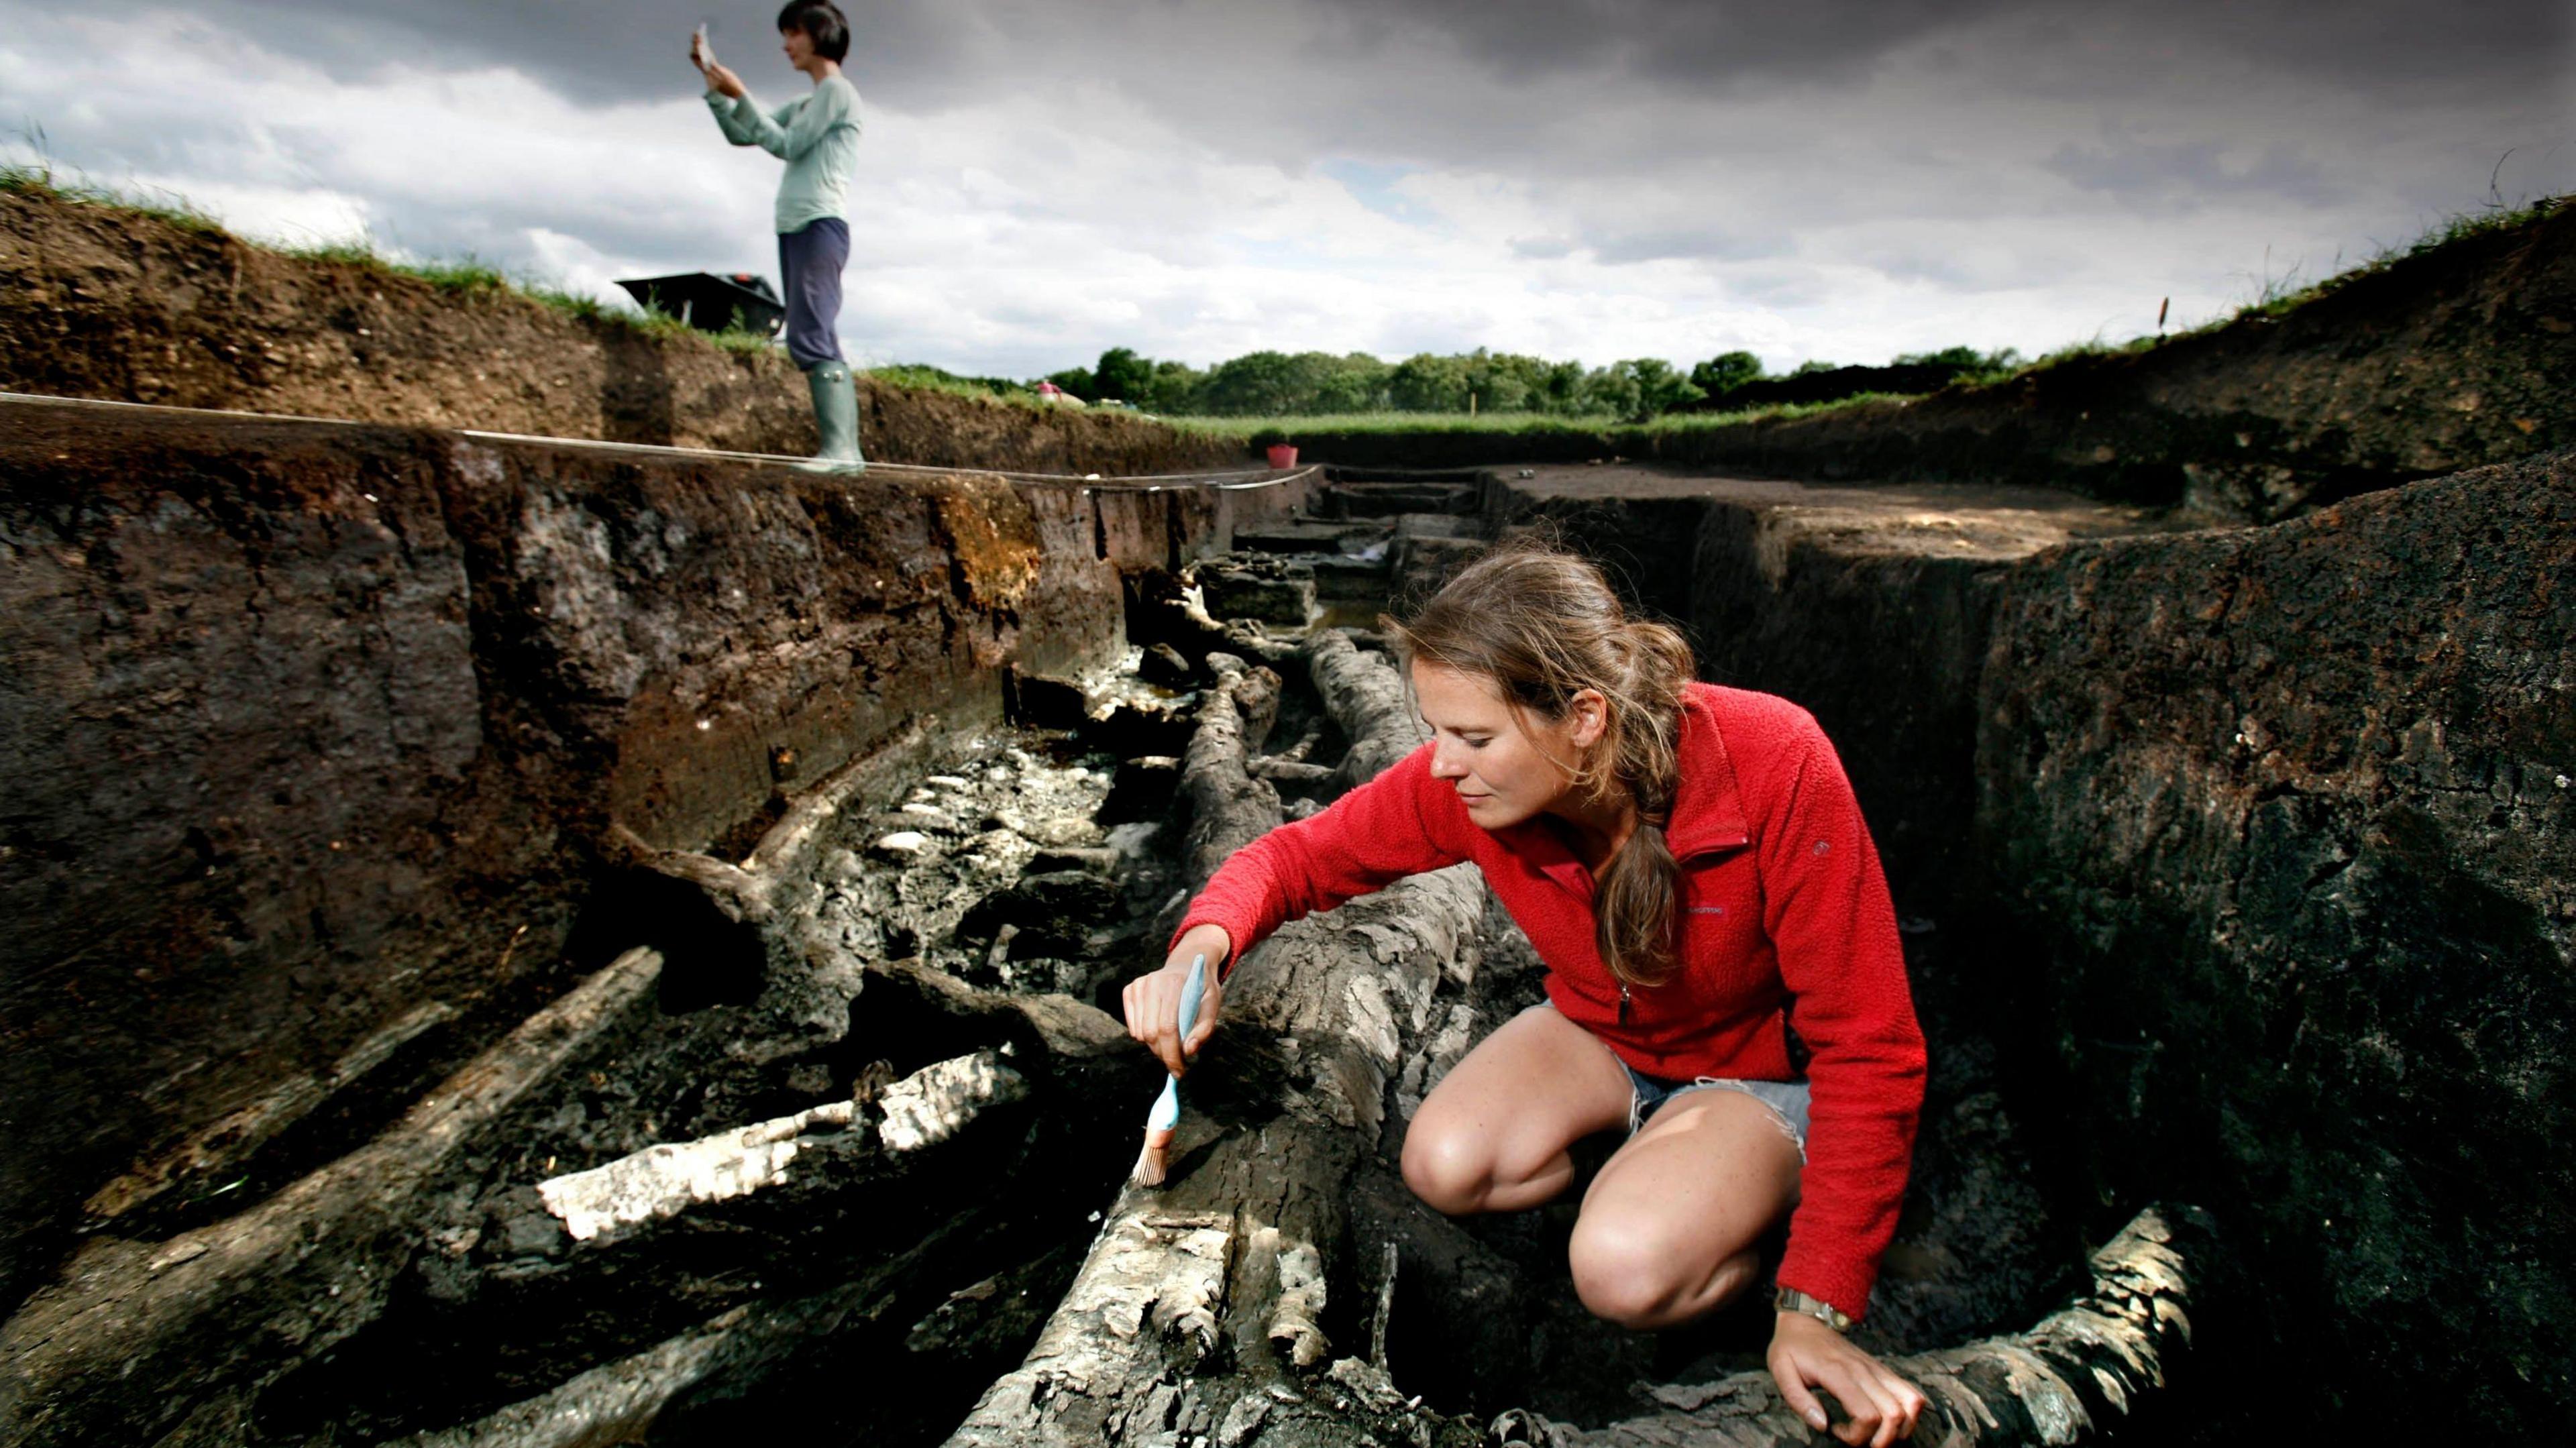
<point x="1637" y="898"/>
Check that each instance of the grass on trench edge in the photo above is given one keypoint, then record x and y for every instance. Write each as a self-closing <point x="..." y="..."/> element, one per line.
<point x="471" y="276"/>
<point x="464" y="276"/>
<point x="1260" y="431"/>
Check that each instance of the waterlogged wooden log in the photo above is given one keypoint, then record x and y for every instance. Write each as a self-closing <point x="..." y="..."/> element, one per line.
<point x="1228" y="807"/>
<point x="619" y="1402"/>
<point x="211" y="1316"/>
<point x="749" y="892"/>
<point x="2068" y="1380"/>
<point x="1290" y="771"/>
<point x="1365" y="695"/>
<point x="1198" y="1313"/>
<point x="240" y="1135"/>
<point x="1234" y="636"/>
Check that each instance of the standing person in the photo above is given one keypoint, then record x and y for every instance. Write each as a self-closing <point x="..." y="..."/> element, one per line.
<point x="1693" y="869"/>
<point x="818" y="136"/>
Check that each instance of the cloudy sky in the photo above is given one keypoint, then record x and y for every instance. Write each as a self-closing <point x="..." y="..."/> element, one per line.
<point x="1596" y="179"/>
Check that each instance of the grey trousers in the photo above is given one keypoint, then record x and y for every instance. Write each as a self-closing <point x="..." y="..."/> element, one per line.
<point x="810" y="259"/>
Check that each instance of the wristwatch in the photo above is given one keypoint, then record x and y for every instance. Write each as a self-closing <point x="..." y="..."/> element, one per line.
<point x="1792" y="1300"/>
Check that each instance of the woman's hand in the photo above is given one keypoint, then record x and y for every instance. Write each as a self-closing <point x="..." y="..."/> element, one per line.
<point x="721" y="79"/>
<point x="1806" y="1353"/>
<point x="1154" y="1001"/>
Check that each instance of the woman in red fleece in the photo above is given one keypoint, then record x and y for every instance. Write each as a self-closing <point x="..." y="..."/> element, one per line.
<point x="1692" y="868"/>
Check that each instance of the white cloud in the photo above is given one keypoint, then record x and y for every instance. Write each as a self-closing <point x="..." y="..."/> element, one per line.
<point x="1229" y="191"/>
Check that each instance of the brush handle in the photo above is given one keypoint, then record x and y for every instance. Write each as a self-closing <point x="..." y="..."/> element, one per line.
<point x="1192" y="992"/>
<point x="1166" y="1114"/>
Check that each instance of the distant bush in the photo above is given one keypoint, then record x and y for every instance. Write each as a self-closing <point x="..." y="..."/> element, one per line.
<point x="940" y="379"/>
<point x="1726" y="372"/>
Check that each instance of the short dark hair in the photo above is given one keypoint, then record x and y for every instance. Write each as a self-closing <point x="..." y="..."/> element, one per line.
<point x="822" y="23"/>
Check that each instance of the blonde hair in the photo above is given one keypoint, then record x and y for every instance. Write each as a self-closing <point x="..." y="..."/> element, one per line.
<point x="1543" y="625"/>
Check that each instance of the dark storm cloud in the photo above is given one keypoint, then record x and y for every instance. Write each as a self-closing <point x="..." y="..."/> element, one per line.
<point x="1284" y="80"/>
<point x="2187" y="173"/>
<point x="2360" y="41"/>
<point x="1692" y="40"/>
<point x="604" y="52"/>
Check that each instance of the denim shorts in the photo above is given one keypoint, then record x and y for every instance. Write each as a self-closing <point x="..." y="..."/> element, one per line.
<point x="1787" y="1100"/>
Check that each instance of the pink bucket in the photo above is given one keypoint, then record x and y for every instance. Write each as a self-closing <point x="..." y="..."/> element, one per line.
<point x="1282" y="455"/>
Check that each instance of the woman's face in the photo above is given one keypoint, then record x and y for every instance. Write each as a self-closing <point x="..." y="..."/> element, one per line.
<point x="798" y="45"/>
<point x="1504" y="763"/>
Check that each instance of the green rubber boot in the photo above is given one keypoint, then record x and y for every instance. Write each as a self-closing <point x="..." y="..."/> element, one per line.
<point x="836" y="417"/>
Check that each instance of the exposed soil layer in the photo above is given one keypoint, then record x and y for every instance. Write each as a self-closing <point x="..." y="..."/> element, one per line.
<point x="2452" y="359"/>
<point x="102" y="303"/>
<point x="2287" y="819"/>
<point x="322" y="738"/>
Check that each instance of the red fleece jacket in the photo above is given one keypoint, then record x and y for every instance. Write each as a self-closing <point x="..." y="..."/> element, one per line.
<point x="1787" y="923"/>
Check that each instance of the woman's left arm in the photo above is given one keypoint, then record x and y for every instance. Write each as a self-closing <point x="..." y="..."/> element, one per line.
<point x="1827" y="911"/>
<point x="832" y="104"/>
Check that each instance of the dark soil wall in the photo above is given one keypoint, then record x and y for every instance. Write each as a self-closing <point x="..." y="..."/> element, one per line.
<point x="2285" y="819"/>
<point x="2454" y="359"/>
<point x="308" y="724"/>
<point x="96" y="302"/>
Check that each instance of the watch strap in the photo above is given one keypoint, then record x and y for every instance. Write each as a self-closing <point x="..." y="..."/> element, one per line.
<point x="1790" y="1299"/>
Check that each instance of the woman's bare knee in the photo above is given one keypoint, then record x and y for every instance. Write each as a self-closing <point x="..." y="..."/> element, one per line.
<point x="1623" y="1274"/>
<point x="1635" y="1276"/>
<point x="1450" y="1170"/>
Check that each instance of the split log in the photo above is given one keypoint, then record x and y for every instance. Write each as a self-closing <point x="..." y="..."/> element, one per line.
<point x="1305" y="745"/>
<point x="1289" y="771"/>
<point x="2068" y="1380"/>
<point x="1228" y="1264"/>
<point x="1234" y="636"/>
<point x="213" y="1315"/>
<point x="619" y="1401"/>
<point x="1365" y="695"/>
<point x="750" y="892"/>
<point x="843" y="1197"/>
<point x="1228" y="807"/>
<point x="239" y="1136"/>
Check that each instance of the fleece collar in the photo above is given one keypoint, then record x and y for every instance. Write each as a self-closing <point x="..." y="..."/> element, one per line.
<point x="1707" y="815"/>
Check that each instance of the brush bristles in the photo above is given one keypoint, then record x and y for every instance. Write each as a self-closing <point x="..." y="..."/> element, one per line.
<point x="1154" y="1160"/>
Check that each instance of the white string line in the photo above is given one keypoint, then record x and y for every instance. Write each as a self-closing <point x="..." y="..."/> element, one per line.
<point x="1139" y="483"/>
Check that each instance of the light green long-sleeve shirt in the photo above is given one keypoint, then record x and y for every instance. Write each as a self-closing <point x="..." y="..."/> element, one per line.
<point x="817" y="135"/>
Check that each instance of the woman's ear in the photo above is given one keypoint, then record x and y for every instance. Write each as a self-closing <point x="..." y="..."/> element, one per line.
<point x="1587" y="718"/>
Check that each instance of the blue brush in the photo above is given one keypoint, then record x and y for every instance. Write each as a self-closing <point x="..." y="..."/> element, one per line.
<point x="1165" y="1118"/>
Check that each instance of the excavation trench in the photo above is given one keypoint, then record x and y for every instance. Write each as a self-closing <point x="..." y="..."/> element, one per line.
<point x="821" y="1121"/>
<point x="870" y="1115"/>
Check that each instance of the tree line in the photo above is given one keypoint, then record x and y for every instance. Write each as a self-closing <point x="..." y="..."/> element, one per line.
<point x="1302" y="384"/>
<point x="1317" y="384"/>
